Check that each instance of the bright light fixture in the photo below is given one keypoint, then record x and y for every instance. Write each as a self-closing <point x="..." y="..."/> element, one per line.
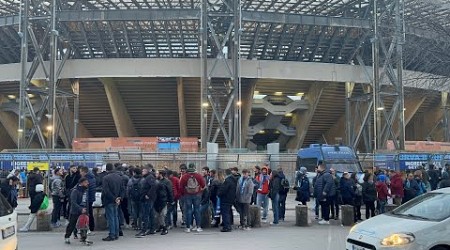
<point x="278" y="93"/>
<point x="256" y="92"/>
<point x="239" y="103"/>
<point x="259" y="97"/>
<point x="295" y="97"/>
<point x="205" y="104"/>
<point x="49" y="128"/>
<point x="300" y="94"/>
<point x="288" y="115"/>
<point x="380" y="108"/>
<point x="262" y="132"/>
<point x="11" y="96"/>
<point x="20" y="130"/>
<point x="31" y="95"/>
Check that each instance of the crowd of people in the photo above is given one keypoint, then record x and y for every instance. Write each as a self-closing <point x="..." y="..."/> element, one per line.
<point x="374" y="191"/>
<point x="148" y="200"/>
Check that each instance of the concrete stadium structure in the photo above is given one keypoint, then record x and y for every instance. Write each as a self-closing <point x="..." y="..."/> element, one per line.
<point x="304" y="70"/>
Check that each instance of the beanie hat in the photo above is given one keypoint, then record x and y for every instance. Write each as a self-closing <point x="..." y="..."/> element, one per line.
<point x="382" y="178"/>
<point x="191" y="168"/>
<point x="39" y="188"/>
<point x="303" y="170"/>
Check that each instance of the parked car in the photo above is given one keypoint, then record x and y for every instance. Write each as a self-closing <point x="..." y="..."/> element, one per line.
<point x="8" y="226"/>
<point x="421" y="224"/>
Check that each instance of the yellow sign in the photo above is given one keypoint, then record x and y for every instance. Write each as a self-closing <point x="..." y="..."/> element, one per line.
<point x="44" y="166"/>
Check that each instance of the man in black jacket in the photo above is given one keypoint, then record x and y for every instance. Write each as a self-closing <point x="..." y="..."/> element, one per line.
<point x="34" y="178"/>
<point x="112" y="193"/>
<point x="164" y="196"/>
<point x="84" y="172"/>
<point x="78" y="202"/>
<point x="227" y="195"/>
<point x="324" y="189"/>
<point x="148" y="198"/>
<point x="70" y="181"/>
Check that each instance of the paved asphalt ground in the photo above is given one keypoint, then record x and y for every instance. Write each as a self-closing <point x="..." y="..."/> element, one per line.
<point x="284" y="236"/>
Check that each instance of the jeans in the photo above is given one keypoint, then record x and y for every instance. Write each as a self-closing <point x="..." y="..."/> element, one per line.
<point x="56" y="213"/>
<point x="136" y="208"/>
<point x="325" y="206"/>
<point x="282" y="206"/>
<point x="125" y="212"/>
<point x="148" y="217"/>
<point x="192" y="206"/>
<point x="226" y="215"/>
<point x="381" y="205"/>
<point x="243" y="215"/>
<point x="112" y="217"/>
<point x="183" y="210"/>
<point x="370" y="209"/>
<point x="276" y="208"/>
<point x="263" y="201"/>
<point x="316" y="207"/>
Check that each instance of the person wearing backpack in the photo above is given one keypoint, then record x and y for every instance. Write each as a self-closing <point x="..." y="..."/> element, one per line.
<point x="192" y="185"/>
<point x="36" y="204"/>
<point x="134" y="194"/>
<point x="284" y="190"/>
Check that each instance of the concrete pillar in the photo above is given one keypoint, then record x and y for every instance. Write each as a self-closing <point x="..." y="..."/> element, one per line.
<point x="302" y="119"/>
<point x="348" y="215"/>
<point x="122" y="120"/>
<point x="100" y="219"/>
<point x="412" y="104"/>
<point x="301" y="216"/>
<point x="246" y="109"/>
<point x="254" y="217"/>
<point x="432" y="119"/>
<point x="181" y="108"/>
<point x="206" y="218"/>
<point x="43" y="222"/>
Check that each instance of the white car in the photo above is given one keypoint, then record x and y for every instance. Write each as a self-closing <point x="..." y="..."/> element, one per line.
<point x="8" y="226"/>
<point x="421" y="224"/>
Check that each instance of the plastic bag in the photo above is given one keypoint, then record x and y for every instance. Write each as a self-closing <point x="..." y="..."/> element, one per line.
<point x="44" y="204"/>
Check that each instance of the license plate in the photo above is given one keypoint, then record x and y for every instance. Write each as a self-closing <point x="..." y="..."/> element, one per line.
<point x="355" y="247"/>
<point x="8" y="232"/>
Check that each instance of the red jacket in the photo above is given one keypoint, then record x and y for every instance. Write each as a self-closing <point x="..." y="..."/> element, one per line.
<point x="184" y="179"/>
<point x="397" y="185"/>
<point x="175" y="187"/>
<point x="382" y="190"/>
<point x="264" y="186"/>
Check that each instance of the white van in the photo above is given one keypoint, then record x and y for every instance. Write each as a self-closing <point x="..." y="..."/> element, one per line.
<point x="8" y="226"/>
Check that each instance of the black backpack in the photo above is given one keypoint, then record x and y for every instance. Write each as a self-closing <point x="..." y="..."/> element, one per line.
<point x="135" y="191"/>
<point x="285" y="186"/>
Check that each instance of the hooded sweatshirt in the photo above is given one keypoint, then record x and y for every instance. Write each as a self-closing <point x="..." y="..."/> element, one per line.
<point x="382" y="190"/>
<point x="244" y="190"/>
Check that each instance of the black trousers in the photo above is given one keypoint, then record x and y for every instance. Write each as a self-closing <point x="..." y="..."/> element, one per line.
<point x="243" y="213"/>
<point x="56" y="213"/>
<point x="370" y="209"/>
<point x="325" y="207"/>
<point x="73" y="218"/>
<point x="91" y="217"/>
<point x="124" y="208"/>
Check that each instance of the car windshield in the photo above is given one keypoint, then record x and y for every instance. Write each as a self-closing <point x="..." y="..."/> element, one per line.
<point x="430" y="206"/>
<point x="344" y="166"/>
<point x="5" y="208"/>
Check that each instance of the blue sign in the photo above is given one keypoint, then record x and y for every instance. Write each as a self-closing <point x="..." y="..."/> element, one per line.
<point x="410" y="161"/>
<point x="385" y="161"/>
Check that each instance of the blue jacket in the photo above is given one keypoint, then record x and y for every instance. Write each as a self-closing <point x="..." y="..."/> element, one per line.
<point x="303" y="187"/>
<point x="347" y="190"/>
<point x="92" y="186"/>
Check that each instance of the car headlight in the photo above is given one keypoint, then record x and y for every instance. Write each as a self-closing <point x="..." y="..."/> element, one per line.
<point x="398" y="239"/>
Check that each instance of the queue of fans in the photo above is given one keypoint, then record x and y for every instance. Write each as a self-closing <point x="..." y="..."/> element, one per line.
<point x="147" y="200"/>
<point x="374" y="191"/>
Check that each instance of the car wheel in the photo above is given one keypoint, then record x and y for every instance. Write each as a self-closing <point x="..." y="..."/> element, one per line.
<point x="441" y="248"/>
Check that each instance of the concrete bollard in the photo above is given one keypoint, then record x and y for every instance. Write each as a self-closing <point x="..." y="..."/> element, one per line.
<point x="43" y="222"/>
<point x="100" y="219"/>
<point x="390" y="207"/>
<point x="206" y="218"/>
<point x="254" y="217"/>
<point x="348" y="215"/>
<point x="301" y="216"/>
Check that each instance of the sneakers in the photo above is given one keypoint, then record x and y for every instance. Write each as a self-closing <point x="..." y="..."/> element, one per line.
<point x="213" y="222"/>
<point x="324" y="222"/>
<point x="316" y="218"/>
<point x="187" y="230"/>
<point x="194" y="228"/>
<point x="108" y="239"/>
<point x="67" y="240"/>
<point x="264" y="220"/>
<point x="56" y="225"/>
<point x="90" y="233"/>
<point x="225" y="230"/>
<point x="247" y="229"/>
<point x="199" y="230"/>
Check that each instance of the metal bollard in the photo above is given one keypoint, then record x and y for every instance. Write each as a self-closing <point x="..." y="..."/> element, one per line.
<point x="301" y="216"/>
<point x="348" y="215"/>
